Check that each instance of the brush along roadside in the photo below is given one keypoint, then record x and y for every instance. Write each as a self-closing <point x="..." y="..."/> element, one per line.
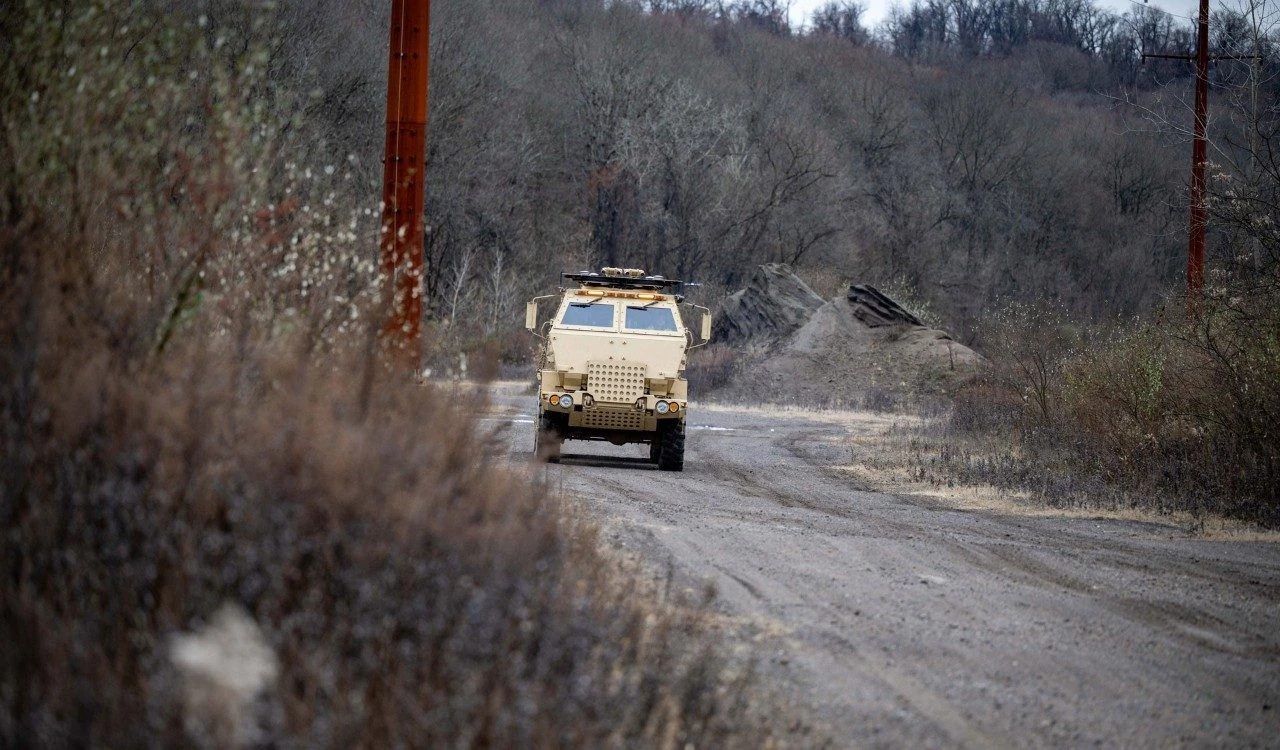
<point x="412" y="589"/>
<point x="920" y="457"/>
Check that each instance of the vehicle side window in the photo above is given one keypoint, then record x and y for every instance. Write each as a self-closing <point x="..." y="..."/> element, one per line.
<point x="593" y="314"/>
<point x="650" y="319"/>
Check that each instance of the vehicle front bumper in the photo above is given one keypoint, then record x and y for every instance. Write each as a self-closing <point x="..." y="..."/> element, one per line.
<point x="588" y="412"/>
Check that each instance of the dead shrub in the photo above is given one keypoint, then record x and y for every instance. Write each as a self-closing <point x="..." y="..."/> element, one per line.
<point x="879" y="399"/>
<point x="1027" y="344"/>
<point x="709" y="368"/>
<point x="1189" y="408"/>
<point x="983" y="406"/>
<point x="1118" y="394"/>
<point x="194" y="413"/>
<point x="414" y="591"/>
<point x="1176" y="415"/>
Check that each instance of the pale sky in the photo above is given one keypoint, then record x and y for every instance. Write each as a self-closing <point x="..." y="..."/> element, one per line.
<point x="877" y="10"/>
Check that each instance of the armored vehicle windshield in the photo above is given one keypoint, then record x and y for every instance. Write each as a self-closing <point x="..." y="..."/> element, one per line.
<point x="650" y="318"/>
<point x="596" y="314"/>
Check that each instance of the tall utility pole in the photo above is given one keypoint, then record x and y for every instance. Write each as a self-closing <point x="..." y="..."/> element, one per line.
<point x="404" y="169"/>
<point x="1199" y="155"/>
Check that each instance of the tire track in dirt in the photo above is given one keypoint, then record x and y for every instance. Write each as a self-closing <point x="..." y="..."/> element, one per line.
<point x="1020" y="562"/>
<point x="905" y="623"/>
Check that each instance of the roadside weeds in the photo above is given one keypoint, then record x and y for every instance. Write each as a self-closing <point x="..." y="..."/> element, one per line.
<point x="917" y="456"/>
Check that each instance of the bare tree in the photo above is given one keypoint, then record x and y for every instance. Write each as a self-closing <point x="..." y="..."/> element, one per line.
<point x="841" y="19"/>
<point x="772" y="16"/>
<point x="613" y="82"/>
<point x="459" y="283"/>
<point x="977" y="128"/>
<point x="498" y="290"/>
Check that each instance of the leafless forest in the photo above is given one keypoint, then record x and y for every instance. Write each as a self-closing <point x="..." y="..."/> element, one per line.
<point x="967" y="152"/>
<point x="195" y="412"/>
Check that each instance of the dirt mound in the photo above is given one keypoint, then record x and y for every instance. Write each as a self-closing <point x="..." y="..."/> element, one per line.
<point x="861" y="349"/>
<point x="774" y="303"/>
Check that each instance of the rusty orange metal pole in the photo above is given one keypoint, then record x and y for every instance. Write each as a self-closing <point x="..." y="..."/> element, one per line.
<point x="1199" y="155"/>
<point x="404" y="168"/>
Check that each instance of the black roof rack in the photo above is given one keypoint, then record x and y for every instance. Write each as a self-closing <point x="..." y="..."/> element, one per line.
<point x="623" y="282"/>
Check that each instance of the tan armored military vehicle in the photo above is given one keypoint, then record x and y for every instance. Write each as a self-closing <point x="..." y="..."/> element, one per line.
<point x="612" y="364"/>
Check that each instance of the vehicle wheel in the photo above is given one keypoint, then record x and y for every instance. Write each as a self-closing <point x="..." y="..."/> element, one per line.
<point x="671" y="451"/>
<point x="546" y="442"/>
<point x="655" y="448"/>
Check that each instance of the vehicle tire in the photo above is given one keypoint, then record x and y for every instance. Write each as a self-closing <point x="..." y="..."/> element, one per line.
<point x="655" y="448"/>
<point x="546" y="441"/>
<point x="671" y="451"/>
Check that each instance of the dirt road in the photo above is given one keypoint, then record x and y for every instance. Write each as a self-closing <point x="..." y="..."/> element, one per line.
<point x="909" y="625"/>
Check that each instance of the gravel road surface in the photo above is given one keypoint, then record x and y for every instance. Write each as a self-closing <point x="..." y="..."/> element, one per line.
<point x="901" y="623"/>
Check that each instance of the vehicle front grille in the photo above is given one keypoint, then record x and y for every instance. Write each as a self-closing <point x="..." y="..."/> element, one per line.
<point x="613" y="419"/>
<point x="617" y="382"/>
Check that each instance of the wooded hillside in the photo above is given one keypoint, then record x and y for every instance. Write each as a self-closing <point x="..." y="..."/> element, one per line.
<point x="969" y="151"/>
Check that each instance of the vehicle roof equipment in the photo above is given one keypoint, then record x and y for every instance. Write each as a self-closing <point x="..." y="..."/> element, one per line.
<point x="623" y="278"/>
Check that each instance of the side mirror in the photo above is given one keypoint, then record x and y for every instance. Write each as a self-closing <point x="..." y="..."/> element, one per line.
<point x="706" y="326"/>
<point x="531" y="316"/>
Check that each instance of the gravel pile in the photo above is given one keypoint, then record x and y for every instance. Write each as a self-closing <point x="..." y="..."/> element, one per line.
<point x="861" y="349"/>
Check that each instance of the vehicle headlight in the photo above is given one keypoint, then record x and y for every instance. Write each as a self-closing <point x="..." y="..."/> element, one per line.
<point x="566" y="401"/>
<point x="663" y="407"/>
<point x="675" y="406"/>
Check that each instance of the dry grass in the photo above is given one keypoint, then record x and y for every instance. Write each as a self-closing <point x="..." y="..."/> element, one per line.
<point x="852" y="418"/>
<point x="923" y="458"/>
<point x="927" y="458"/>
<point x="194" y="413"/>
<point x="414" y="590"/>
<point x="1172" y="415"/>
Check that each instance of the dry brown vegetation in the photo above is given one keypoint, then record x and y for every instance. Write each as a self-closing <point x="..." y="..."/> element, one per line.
<point x="414" y="590"/>
<point x="1173" y="415"/>
<point x="709" y="368"/>
<point x="194" y="411"/>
